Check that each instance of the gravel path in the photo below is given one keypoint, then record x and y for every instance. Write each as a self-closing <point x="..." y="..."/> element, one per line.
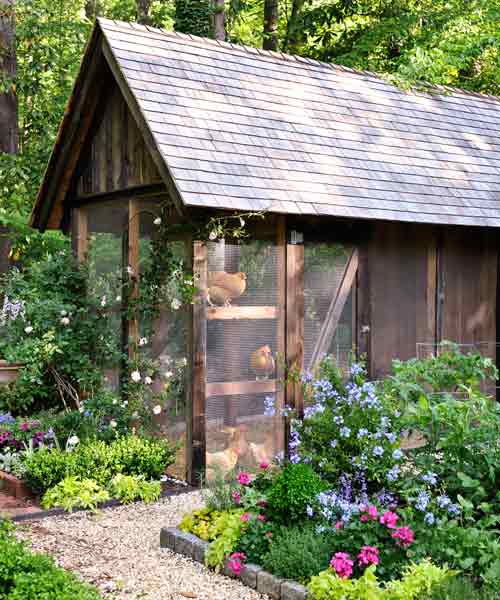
<point x="118" y="550"/>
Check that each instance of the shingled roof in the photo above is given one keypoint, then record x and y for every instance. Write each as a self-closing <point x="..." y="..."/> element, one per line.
<point x="241" y="128"/>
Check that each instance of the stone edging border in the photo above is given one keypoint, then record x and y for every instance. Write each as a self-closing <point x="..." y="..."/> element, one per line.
<point x="252" y="576"/>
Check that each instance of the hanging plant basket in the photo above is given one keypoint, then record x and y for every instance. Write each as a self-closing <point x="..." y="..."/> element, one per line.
<point x="9" y="371"/>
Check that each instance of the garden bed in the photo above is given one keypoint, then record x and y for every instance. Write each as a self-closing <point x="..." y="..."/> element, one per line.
<point x="252" y="576"/>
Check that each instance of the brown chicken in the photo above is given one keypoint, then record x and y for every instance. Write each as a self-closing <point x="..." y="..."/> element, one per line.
<point x="224" y="287"/>
<point x="262" y="362"/>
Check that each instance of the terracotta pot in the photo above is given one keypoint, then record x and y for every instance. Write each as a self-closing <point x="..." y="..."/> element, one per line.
<point x="9" y="371"/>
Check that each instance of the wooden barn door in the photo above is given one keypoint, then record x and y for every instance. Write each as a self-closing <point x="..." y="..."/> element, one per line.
<point x="397" y="294"/>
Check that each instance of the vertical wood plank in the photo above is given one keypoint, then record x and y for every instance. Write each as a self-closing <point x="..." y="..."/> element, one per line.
<point x="133" y="263"/>
<point x="80" y="232"/>
<point x="295" y="322"/>
<point x="197" y="436"/>
<point x="281" y="440"/>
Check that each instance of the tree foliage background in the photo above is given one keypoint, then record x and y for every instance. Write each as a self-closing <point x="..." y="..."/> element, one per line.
<point x="450" y="42"/>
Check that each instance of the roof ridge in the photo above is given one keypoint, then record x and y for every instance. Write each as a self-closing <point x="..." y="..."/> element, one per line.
<point x="385" y="77"/>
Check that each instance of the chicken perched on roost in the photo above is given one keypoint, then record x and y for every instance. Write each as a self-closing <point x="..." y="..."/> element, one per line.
<point x="224" y="287"/>
<point x="262" y="362"/>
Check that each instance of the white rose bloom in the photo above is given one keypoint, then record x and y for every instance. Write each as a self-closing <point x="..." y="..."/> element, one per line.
<point x="242" y="222"/>
<point x="168" y="374"/>
<point x="115" y="401"/>
<point x="130" y="271"/>
<point x="104" y="301"/>
<point x="135" y="376"/>
<point x="143" y="341"/>
<point x="65" y="321"/>
<point x="113" y="424"/>
<point x="157" y="221"/>
<point x="212" y="235"/>
<point x="175" y="304"/>
<point x="118" y="298"/>
<point x="64" y="313"/>
<point x="73" y="440"/>
<point x="28" y="329"/>
<point x="157" y="409"/>
<point x="148" y="380"/>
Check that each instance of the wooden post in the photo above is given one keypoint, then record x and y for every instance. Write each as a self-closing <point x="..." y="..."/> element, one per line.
<point x="80" y="232"/>
<point x="295" y="322"/>
<point x="280" y="330"/>
<point x="133" y="262"/>
<point x="8" y="101"/>
<point x="198" y="357"/>
<point x="363" y="334"/>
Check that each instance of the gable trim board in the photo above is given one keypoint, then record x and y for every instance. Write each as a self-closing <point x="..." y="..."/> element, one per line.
<point x="238" y="128"/>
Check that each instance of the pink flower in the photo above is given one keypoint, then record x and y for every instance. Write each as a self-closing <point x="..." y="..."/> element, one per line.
<point x="370" y="513"/>
<point x="404" y="536"/>
<point x="243" y="478"/>
<point x="368" y="556"/>
<point x="24" y="426"/>
<point x="389" y="519"/>
<point x="342" y="564"/>
<point x="261" y="518"/>
<point x="235" y="562"/>
<point x="245" y="517"/>
<point x="236" y="497"/>
<point x="262" y="503"/>
<point x="264" y="465"/>
<point x="338" y="525"/>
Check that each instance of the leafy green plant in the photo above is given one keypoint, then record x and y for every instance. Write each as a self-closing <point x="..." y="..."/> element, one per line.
<point x="217" y="492"/>
<point x="73" y="493"/>
<point x="28" y="576"/>
<point x="256" y="537"/>
<point x="461" y="588"/>
<point x="298" y="552"/>
<point x="128" y="488"/>
<point x="293" y="490"/>
<point x="417" y="580"/>
<point x="226" y="530"/>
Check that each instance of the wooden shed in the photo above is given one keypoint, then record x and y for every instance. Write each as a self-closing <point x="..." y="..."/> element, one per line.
<point x="382" y="208"/>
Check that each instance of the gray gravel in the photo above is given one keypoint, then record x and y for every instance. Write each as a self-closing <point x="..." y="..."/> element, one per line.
<point x="118" y="551"/>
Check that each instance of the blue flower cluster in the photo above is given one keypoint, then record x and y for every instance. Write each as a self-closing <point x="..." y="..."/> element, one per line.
<point x="7" y="419"/>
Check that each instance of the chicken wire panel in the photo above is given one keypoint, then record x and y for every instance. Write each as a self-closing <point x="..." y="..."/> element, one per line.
<point x="324" y="267"/>
<point x="242" y="432"/>
<point x="242" y="349"/>
<point x="106" y="225"/>
<point x="164" y="338"/>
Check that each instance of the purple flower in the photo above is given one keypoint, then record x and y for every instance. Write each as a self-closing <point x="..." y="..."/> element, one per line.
<point x="378" y="451"/>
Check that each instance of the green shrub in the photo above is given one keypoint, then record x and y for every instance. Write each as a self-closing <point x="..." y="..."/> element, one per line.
<point x="28" y="576"/>
<point x="127" y="488"/>
<point x="130" y="455"/>
<point x="298" y="553"/>
<point x="226" y="531"/>
<point x="45" y="468"/>
<point x="72" y="493"/>
<point x="293" y="490"/>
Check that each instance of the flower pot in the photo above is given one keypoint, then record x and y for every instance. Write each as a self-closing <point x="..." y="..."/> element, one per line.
<point x="9" y="371"/>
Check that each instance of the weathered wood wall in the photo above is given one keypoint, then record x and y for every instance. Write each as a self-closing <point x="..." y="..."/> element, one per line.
<point x="116" y="158"/>
<point x="420" y="284"/>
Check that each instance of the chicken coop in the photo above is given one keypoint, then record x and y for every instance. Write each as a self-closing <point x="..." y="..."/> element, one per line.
<point x="376" y="231"/>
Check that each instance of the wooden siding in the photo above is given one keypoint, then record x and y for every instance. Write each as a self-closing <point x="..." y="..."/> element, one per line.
<point x="469" y="286"/>
<point x="116" y="157"/>
<point x="402" y="276"/>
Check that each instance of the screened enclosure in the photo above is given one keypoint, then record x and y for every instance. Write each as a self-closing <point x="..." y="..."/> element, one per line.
<point x="265" y="306"/>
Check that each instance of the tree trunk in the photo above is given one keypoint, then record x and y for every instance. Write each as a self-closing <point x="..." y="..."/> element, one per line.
<point x="143" y="8"/>
<point x="9" y="136"/>
<point x="270" y="41"/>
<point x="293" y="30"/>
<point x="219" y="20"/>
<point x="93" y="9"/>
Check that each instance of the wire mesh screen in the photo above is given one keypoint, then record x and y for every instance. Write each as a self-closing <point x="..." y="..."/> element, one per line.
<point x="107" y="224"/>
<point x="328" y="313"/>
<point x="243" y="325"/>
<point x="164" y="338"/>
